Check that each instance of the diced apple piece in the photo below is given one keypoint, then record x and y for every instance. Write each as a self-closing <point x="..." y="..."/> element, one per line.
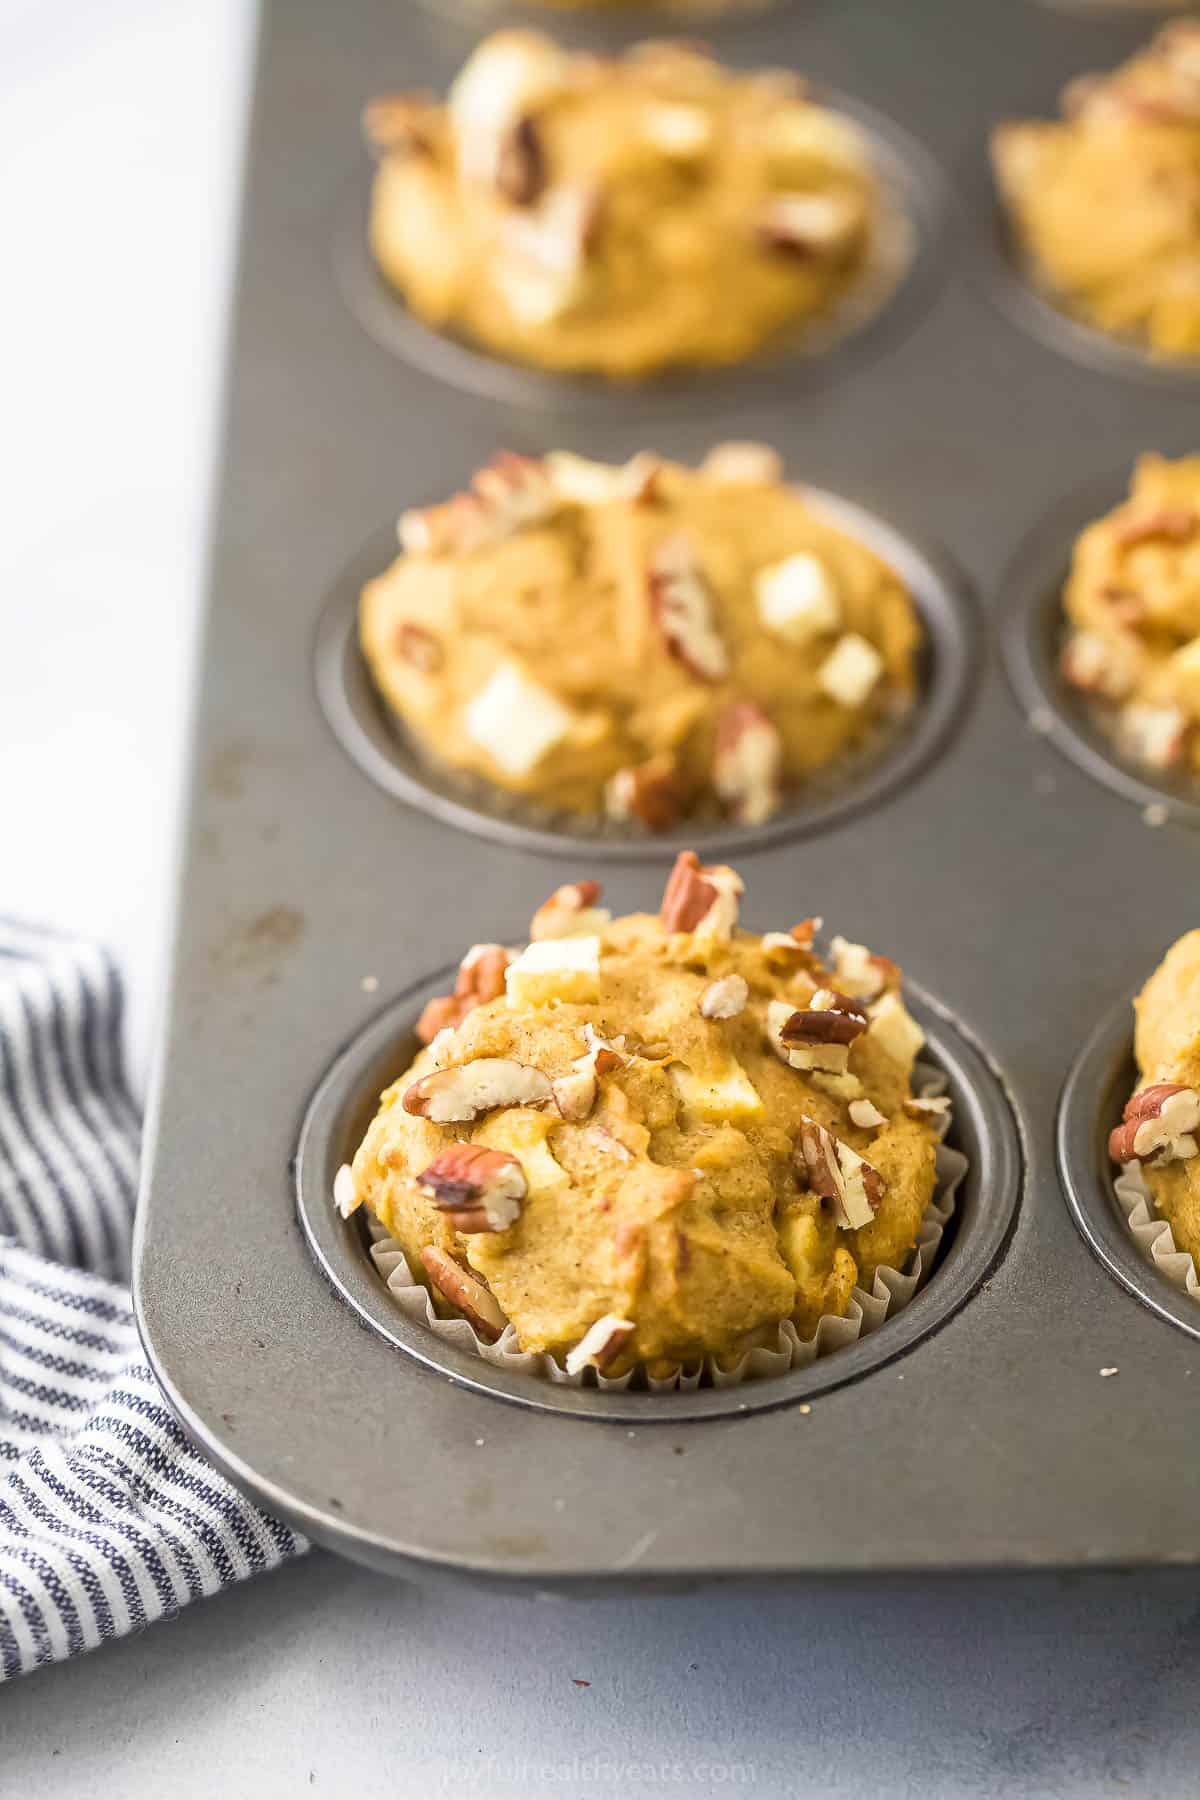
<point x="515" y="720"/>
<point x="797" y="599"/>
<point x="563" y="969"/>
<point x="727" y="1094"/>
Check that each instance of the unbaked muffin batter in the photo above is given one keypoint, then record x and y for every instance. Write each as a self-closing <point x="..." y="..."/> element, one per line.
<point x="618" y="215"/>
<point x="1133" y="602"/>
<point x="1161" y="1126"/>
<point x="650" y="1140"/>
<point x="644" y="641"/>
<point x="1107" y="201"/>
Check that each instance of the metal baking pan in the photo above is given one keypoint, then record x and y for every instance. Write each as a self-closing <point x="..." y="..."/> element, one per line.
<point x="320" y="895"/>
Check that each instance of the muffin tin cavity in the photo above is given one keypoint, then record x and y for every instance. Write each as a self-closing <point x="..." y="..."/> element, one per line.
<point x="1100" y="1082"/>
<point x="1034" y="626"/>
<point x="887" y="299"/>
<point x="339" y="1111"/>
<point x="1016" y="289"/>
<point x="378" y="743"/>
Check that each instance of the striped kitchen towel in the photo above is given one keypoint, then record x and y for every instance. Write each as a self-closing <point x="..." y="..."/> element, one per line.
<point x="108" y="1516"/>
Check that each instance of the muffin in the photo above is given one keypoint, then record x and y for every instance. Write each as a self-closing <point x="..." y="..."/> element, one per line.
<point x="650" y="1141"/>
<point x="1106" y="201"/>
<point x="1160" y="1129"/>
<point x="618" y="215"/>
<point x="1133" y="605"/>
<point x="647" y="642"/>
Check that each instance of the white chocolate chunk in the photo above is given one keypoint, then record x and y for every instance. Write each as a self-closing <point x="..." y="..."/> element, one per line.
<point x="563" y="969"/>
<point x="345" y="1198"/>
<point x="797" y="599"/>
<point x="850" y="670"/>
<point x="727" y="1095"/>
<point x="803" y="132"/>
<point x="895" y="1031"/>
<point x="515" y="720"/>
<point x="678" y="130"/>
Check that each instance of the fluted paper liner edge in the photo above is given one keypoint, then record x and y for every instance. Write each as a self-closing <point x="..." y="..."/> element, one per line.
<point x="1152" y="1234"/>
<point x="891" y="1291"/>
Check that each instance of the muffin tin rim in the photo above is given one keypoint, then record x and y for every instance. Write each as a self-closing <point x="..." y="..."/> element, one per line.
<point x="983" y="1226"/>
<point x="906" y="166"/>
<point x="952" y="623"/>
<point x="1103" y="1066"/>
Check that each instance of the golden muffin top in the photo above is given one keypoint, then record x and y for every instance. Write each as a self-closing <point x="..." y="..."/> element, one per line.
<point x="647" y="641"/>
<point x="617" y="214"/>
<point x="655" y="1137"/>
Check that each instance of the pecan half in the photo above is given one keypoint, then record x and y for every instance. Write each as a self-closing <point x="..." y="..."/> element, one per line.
<point x="569" y="912"/>
<point x="701" y="900"/>
<point x="651" y="792"/>
<point x="419" y="647"/>
<point x="866" y="1115"/>
<point x="521" y="173"/>
<point x="1160" y="1124"/>
<point x="724" y="999"/>
<point x="467" y="1090"/>
<point x="478" y="1189"/>
<point x="601" y="1344"/>
<point x="681" y="604"/>
<point x="1173" y="524"/>
<point x="748" y="763"/>
<point x="833" y="1171"/>
<point x="480" y="979"/>
<point x="463" y="1291"/>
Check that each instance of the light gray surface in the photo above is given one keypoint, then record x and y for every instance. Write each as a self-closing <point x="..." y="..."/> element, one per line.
<point x="1059" y="1687"/>
<point x="325" y="1680"/>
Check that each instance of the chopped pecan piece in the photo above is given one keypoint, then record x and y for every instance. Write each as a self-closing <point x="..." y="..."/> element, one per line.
<point x="467" y="1090"/>
<point x="521" y="164"/>
<point x="506" y="495"/>
<point x="1160" y="1125"/>
<point x="724" y="999"/>
<point x="419" y="647"/>
<point x="478" y="1189"/>
<point x="601" y="1344"/>
<point x="833" y="1171"/>
<point x="480" y="979"/>
<point x="400" y="125"/>
<point x="866" y="1115"/>
<point x="473" y="1300"/>
<point x="681" y="604"/>
<point x="701" y="900"/>
<point x="859" y="972"/>
<point x="570" y="912"/>
<point x="1171" y="524"/>
<point x="928" y="1106"/>
<point x="806" y="931"/>
<point x="651" y="792"/>
<point x="816" y="1036"/>
<point x="585" y="483"/>
<point x="749" y="762"/>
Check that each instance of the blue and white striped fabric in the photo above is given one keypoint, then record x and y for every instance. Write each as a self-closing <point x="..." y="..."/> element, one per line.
<point x="109" y="1518"/>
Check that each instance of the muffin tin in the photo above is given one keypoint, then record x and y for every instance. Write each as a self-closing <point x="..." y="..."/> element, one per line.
<point x="974" y="1430"/>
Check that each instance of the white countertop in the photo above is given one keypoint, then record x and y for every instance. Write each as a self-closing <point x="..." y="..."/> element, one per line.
<point x="120" y="134"/>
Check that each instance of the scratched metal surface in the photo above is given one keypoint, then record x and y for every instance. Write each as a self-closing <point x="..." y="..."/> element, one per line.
<point x="1024" y="895"/>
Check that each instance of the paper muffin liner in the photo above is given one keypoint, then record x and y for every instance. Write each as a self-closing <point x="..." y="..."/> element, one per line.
<point x="890" y="1293"/>
<point x="1152" y="1234"/>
